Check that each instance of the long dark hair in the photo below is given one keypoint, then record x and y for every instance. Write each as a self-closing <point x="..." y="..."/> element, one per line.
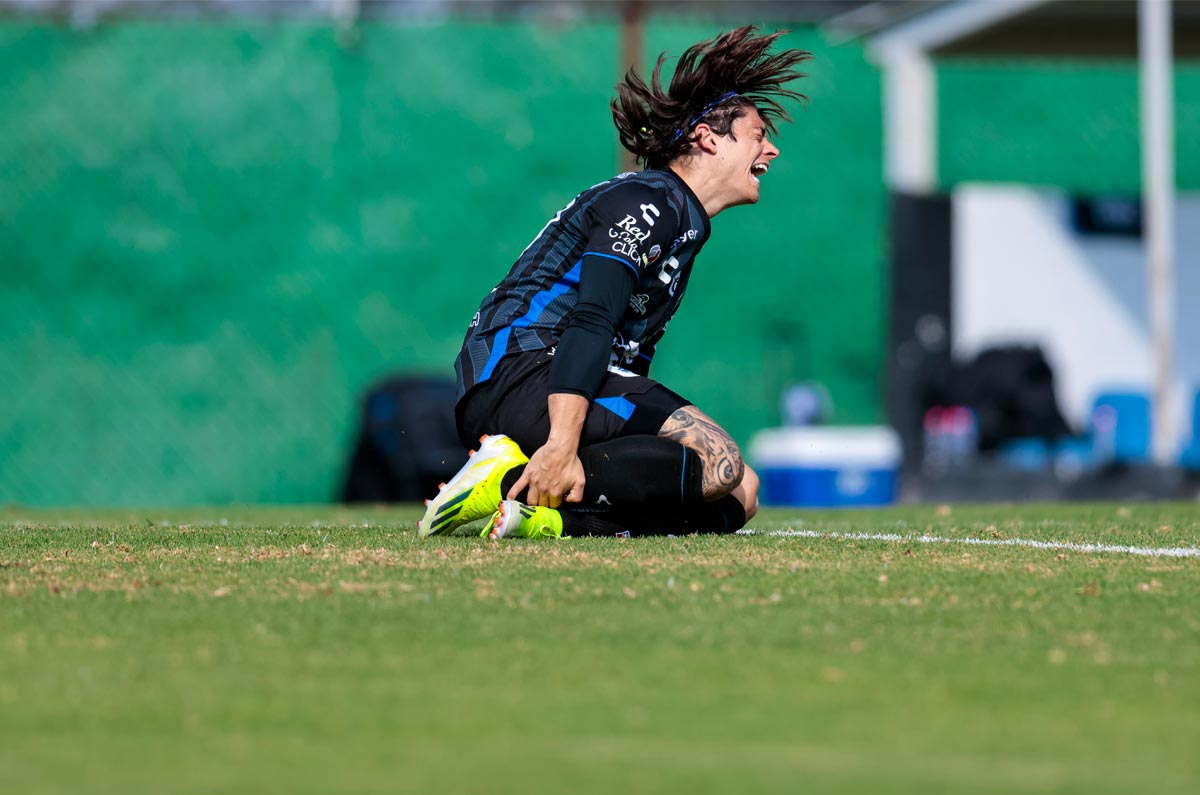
<point x="715" y="81"/>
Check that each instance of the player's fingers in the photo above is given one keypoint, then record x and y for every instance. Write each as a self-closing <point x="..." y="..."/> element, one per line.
<point x="554" y="500"/>
<point x="576" y="493"/>
<point x="544" y="495"/>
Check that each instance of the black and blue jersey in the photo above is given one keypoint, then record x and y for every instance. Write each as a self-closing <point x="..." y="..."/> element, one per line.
<point x="649" y="222"/>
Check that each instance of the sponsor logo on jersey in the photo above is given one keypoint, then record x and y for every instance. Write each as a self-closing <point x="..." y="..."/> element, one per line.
<point x="637" y="302"/>
<point x="690" y="234"/>
<point x="653" y="254"/>
<point x="628" y="237"/>
<point x="647" y="209"/>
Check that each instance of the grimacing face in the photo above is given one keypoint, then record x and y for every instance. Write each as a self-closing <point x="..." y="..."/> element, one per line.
<point x="747" y="155"/>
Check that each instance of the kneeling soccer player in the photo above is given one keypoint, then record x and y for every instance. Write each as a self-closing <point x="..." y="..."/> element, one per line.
<point x="556" y="360"/>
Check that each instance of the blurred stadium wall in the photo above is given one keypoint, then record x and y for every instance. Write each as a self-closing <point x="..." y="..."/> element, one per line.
<point x="214" y="236"/>
<point x="1069" y="123"/>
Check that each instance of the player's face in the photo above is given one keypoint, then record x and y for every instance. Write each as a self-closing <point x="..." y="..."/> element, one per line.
<point x="748" y="155"/>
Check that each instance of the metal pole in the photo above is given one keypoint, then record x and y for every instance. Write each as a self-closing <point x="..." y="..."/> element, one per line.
<point x="1158" y="193"/>
<point x="910" y="119"/>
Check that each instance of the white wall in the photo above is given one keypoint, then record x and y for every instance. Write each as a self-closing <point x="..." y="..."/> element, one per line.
<point x="1023" y="275"/>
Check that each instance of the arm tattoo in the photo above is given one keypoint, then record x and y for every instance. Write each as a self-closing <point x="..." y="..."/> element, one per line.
<point x="723" y="466"/>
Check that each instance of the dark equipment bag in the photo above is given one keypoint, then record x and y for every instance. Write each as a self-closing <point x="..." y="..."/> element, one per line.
<point x="1011" y="390"/>
<point x="407" y="443"/>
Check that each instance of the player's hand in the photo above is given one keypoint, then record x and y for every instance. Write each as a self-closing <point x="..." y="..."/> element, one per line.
<point x="552" y="474"/>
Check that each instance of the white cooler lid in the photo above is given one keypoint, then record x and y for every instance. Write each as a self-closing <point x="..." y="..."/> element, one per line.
<point x="875" y="446"/>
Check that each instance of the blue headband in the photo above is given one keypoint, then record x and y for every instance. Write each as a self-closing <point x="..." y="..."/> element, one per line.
<point x="707" y="108"/>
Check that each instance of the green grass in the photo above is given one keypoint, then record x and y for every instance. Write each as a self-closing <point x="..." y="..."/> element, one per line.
<point x="330" y="650"/>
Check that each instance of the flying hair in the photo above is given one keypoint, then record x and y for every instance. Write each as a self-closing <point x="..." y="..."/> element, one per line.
<point x="715" y="82"/>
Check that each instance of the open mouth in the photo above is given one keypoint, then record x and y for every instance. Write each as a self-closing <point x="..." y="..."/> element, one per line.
<point x="757" y="170"/>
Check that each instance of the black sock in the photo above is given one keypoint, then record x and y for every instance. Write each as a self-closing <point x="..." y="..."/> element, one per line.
<point x="509" y="480"/>
<point x="718" y="516"/>
<point x="634" y="470"/>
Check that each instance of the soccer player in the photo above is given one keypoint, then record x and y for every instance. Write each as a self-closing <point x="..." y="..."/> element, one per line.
<point x="555" y="363"/>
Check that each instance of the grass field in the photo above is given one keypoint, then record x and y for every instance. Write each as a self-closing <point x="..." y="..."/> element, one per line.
<point x="331" y="650"/>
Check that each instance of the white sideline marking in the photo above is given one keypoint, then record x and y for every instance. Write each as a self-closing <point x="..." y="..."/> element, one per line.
<point x="1153" y="552"/>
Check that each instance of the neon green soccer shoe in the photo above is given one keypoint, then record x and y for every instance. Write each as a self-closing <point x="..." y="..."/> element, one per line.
<point x="474" y="491"/>
<point x="517" y="520"/>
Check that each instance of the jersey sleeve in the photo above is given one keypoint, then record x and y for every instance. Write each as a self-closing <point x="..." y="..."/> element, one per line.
<point x="633" y="224"/>
<point x="583" y="352"/>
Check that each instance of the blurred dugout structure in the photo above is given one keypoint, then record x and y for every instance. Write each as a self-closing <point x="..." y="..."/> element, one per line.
<point x="1019" y="219"/>
<point x="222" y="222"/>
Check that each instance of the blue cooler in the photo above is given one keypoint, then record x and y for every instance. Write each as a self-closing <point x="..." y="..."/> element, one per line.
<point x="826" y="466"/>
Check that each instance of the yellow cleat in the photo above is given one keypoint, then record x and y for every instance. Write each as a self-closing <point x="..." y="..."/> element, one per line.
<point x="474" y="492"/>
<point x="517" y="520"/>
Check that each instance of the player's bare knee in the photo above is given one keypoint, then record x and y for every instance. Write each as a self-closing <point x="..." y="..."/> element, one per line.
<point x="748" y="493"/>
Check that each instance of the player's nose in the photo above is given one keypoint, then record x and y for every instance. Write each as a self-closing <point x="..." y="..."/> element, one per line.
<point x="770" y="150"/>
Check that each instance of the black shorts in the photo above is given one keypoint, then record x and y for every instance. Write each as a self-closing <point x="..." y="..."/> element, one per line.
<point x="513" y="402"/>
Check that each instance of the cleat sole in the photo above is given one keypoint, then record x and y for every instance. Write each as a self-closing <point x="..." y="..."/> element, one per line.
<point x="502" y="520"/>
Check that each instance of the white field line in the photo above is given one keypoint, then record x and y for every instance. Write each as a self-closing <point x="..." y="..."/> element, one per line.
<point x="1115" y="549"/>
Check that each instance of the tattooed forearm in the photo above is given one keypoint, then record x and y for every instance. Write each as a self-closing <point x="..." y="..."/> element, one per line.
<point x="723" y="466"/>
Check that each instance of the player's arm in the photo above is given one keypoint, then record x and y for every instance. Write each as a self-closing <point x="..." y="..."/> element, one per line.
<point x="554" y="470"/>
<point x="623" y="225"/>
<point x="576" y="374"/>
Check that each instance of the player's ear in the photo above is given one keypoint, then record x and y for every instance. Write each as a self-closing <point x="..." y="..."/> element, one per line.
<point x="706" y="139"/>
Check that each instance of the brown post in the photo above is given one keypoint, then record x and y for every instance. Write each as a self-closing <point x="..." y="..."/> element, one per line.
<point x="632" y="14"/>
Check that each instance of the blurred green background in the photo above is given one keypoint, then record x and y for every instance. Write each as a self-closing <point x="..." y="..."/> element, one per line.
<point x="215" y="236"/>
